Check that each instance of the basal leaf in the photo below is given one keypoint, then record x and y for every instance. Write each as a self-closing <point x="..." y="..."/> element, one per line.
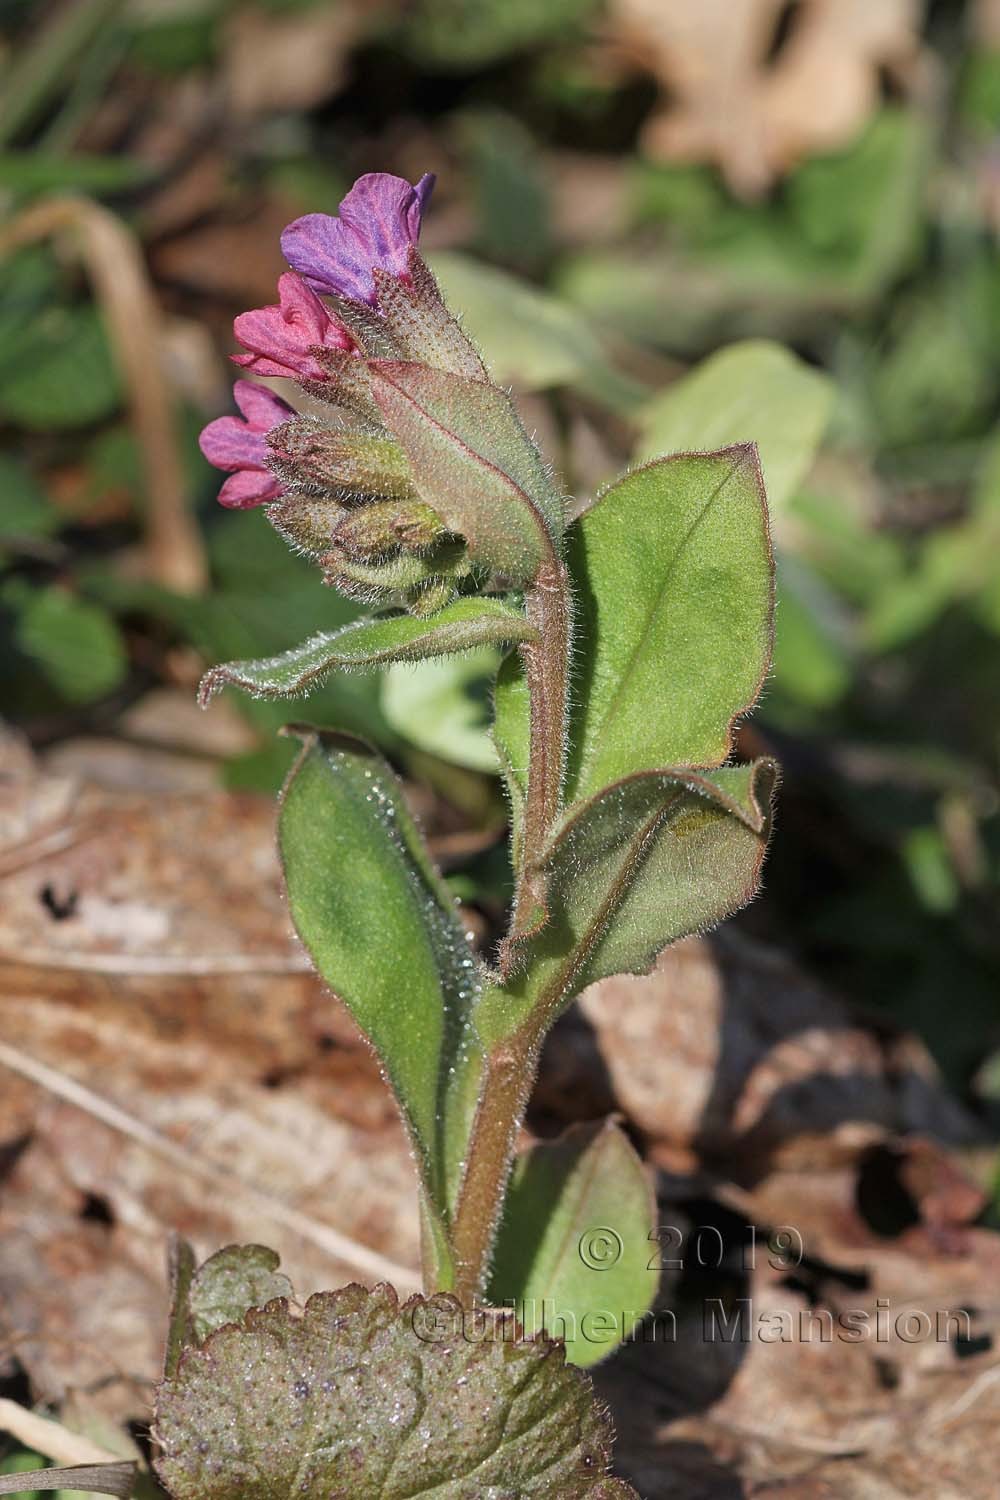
<point x="384" y="932"/>
<point x="361" y="1397"/>
<point x="573" y="1253"/>
<point x="471" y="460"/>
<point x="665" y="854"/>
<point x="365" y="644"/>
<point x="756" y="389"/>
<point x="231" y="1282"/>
<point x="673" y="574"/>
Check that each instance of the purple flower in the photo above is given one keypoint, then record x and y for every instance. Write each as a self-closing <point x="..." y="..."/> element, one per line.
<point x="378" y="222"/>
<point x="280" y="338"/>
<point x="240" y="446"/>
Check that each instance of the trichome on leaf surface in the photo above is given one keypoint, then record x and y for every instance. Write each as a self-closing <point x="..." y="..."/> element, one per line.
<point x="634" y="640"/>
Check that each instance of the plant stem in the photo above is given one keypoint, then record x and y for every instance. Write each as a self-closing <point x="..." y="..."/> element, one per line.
<point x="510" y="1068"/>
<point x="546" y="665"/>
<point x="507" y="1079"/>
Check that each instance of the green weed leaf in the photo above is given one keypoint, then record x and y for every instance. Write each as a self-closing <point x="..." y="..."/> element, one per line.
<point x="75" y="642"/>
<point x="533" y="338"/>
<point x="756" y="389"/>
<point x="574" y="1253"/>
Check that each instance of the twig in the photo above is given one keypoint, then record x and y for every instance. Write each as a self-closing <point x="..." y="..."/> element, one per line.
<point x="156" y="966"/>
<point x="42" y="1435"/>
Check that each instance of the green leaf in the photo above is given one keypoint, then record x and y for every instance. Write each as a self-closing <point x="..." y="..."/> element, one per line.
<point x="751" y="391"/>
<point x="362" y="1397"/>
<point x="574" y="1253"/>
<point x="512" y="737"/>
<point x="673" y="575"/>
<point x="443" y="707"/>
<point x="59" y="372"/>
<point x="364" y="644"/>
<point x="534" y="340"/>
<point x="26" y="511"/>
<point x="76" y="644"/>
<point x="35" y="171"/>
<point x="666" y="853"/>
<point x="842" y="229"/>
<point x="454" y="34"/>
<point x="385" y="934"/>
<point x="471" y="460"/>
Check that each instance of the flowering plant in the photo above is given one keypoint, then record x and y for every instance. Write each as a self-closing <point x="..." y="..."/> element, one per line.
<point x="635" y="638"/>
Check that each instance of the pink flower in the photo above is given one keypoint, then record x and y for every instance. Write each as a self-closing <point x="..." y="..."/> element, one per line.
<point x="280" y="339"/>
<point x="378" y="222"/>
<point x="241" y="448"/>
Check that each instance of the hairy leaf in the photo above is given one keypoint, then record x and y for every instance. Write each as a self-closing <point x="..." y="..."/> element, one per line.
<point x="674" y="581"/>
<point x="755" y="389"/>
<point x="364" y="644"/>
<point x="665" y="853"/>
<point x="574" y="1254"/>
<point x="471" y="460"/>
<point x="384" y="932"/>
<point x="361" y="1397"/>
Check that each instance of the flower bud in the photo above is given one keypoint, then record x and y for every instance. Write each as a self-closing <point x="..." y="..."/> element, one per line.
<point x="307" y="522"/>
<point x="350" y="465"/>
<point x="400" y="578"/>
<point x="387" y="526"/>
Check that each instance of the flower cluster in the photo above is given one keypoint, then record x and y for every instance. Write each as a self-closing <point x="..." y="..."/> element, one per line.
<point x="342" y="490"/>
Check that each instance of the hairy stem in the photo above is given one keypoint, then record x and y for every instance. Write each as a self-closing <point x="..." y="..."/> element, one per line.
<point x="507" y="1079"/>
<point x="510" y="1068"/>
<point x="546" y="665"/>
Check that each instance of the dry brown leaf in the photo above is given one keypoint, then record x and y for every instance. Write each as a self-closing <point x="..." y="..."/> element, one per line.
<point x="168" y="1062"/>
<point x="145" y="1089"/>
<point x="753" y="115"/>
<point x="728" y="1057"/>
<point x="769" y="1104"/>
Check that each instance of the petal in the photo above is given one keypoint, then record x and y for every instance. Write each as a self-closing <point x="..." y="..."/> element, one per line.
<point x="261" y="407"/>
<point x="249" y="487"/>
<point x="379" y="220"/>
<point x="262" y="331"/>
<point x="328" y="255"/>
<point x="376" y="208"/>
<point x="228" y="443"/>
<point x="421" y="198"/>
<point x="301" y="309"/>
